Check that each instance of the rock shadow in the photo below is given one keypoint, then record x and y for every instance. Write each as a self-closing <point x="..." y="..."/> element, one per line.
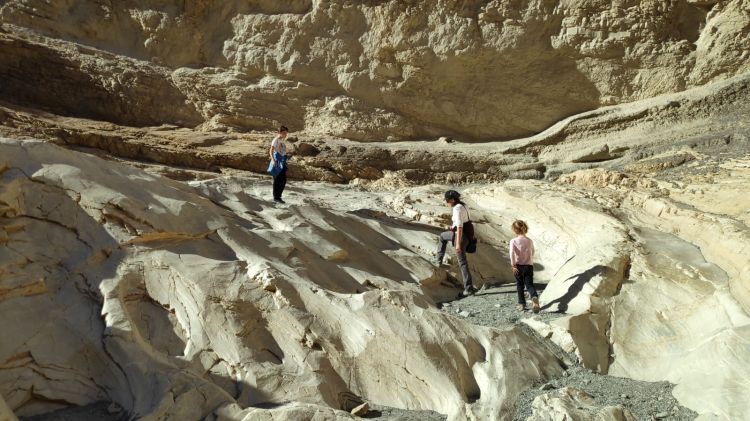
<point x="53" y="315"/>
<point x="575" y="287"/>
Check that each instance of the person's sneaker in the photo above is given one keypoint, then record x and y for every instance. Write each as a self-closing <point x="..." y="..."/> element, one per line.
<point x="466" y="293"/>
<point x="535" y="304"/>
<point x="278" y="201"/>
<point x="520" y="307"/>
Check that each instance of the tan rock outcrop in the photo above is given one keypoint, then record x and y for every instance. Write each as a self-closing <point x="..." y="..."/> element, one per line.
<point x="129" y="287"/>
<point x="199" y="299"/>
<point x="682" y="313"/>
<point x="218" y="301"/>
<point x="5" y="413"/>
<point x="366" y="71"/>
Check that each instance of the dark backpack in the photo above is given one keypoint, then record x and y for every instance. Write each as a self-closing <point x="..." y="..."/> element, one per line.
<point x="471" y="247"/>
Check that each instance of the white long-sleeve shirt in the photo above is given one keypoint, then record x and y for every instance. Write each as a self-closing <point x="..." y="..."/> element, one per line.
<point x="459" y="216"/>
<point x="521" y="251"/>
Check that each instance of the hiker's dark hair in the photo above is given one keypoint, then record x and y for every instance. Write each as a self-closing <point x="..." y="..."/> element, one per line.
<point x="283" y="129"/>
<point x="454" y="195"/>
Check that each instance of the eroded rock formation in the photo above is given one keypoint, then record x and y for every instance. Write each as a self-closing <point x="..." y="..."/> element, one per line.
<point x="367" y="70"/>
<point x="208" y="290"/>
<point x="129" y="287"/>
<point x="169" y="286"/>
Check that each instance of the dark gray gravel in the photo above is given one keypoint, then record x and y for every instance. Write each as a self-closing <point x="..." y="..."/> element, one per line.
<point x="385" y="413"/>
<point x="645" y="400"/>
<point x="494" y="306"/>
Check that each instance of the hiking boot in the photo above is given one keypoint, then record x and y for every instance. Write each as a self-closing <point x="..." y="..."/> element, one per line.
<point x="535" y="305"/>
<point x="467" y="292"/>
<point x="520" y="307"/>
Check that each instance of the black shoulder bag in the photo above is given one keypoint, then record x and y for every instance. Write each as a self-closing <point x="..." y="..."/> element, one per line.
<point x="471" y="247"/>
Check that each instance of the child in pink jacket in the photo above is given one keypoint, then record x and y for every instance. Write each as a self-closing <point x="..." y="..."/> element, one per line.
<point x="522" y="260"/>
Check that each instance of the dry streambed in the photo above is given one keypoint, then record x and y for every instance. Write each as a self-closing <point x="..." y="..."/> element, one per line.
<point x="494" y="306"/>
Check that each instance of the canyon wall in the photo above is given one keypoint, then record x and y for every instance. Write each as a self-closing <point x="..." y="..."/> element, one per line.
<point x="374" y="70"/>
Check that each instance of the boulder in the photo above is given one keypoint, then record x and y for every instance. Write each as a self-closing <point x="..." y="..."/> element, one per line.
<point x="570" y="403"/>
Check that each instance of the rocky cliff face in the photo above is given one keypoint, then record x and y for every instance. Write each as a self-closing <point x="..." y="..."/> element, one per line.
<point x="363" y="70"/>
<point x="143" y="270"/>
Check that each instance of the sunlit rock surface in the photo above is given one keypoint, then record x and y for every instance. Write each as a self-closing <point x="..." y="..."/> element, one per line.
<point x="129" y="287"/>
<point x="364" y="70"/>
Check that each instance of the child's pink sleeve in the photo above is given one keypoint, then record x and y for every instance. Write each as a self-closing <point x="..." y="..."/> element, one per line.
<point x="511" y="252"/>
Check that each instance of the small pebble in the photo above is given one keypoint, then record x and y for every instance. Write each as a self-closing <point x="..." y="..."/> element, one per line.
<point x="624" y="396"/>
<point x="464" y="314"/>
<point x="547" y="386"/>
<point x="661" y="415"/>
<point x="113" y="408"/>
<point x="497" y="305"/>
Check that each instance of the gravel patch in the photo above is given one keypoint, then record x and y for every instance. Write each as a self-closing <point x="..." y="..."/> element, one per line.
<point x="386" y="413"/>
<point x="645" y="400"/>
<point x="494" y="306"/>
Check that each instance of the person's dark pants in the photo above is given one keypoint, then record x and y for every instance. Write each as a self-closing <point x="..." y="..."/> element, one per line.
<point x="279" y="182"/>
<point x="525" y="277"/>
<point x="462" y="263"/>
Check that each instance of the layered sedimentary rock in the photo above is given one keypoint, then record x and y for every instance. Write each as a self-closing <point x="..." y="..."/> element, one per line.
<point x="681" y="313"/>
<point x="199" y="299"/>
<point x="367" y="71"/>
<point x="620" y="137"/>
<point x="650" y="268"/>
<point x="183" y="302"/>
<point x="218" y="302"/>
